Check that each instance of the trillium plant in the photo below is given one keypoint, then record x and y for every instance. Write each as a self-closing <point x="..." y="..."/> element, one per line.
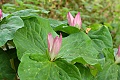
<point x="37" y="48"/>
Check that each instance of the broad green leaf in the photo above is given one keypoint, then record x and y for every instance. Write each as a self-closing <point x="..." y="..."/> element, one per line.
<point x="78" y="45"/>
<point x="62" y="26"/>
<point x="85" y="72"/>
<point x="38" y="67"/>
<point x="33" y="36"/>
<point x="111" y="71"/>
<point x="56" y="23"/>
<point x="26" y="13"/>
<point x="118" y="78"/>
<point x="8" y="28"/>
<point x="101" y="38"/>
<point x="67" y="29"/>
<point x="6" y="72"/>
<point x="108" y="54"/>
<point x="117" y="35"/>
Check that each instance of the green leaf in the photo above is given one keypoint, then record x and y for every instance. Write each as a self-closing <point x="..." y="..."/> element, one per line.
<point x="8" y="28"/>
<point x="33" y="36"/>
<point x="56" y="23"/>
<point x="67" y="29"/>
<point x="62" y="26"/>
<point x="101" y="38"/>
<point x="109" y="54"/>
<point x="118" y="77"/>
<point x="85" y="72"/>
<point x="78" y="45"/>
<point x="117" y="35"/>
<point x="111" y="71"/>
<point x="26" y="13"/>
<point x="38" y="67"/>
<point x="6" y="72"/>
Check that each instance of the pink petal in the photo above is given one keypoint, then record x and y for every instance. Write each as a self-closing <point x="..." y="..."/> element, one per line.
<point x="77" y="20"/>
<point x="118" y="52"/>
<point x="56" y="46"/>
<point x="1" y="13"/>
<point x="70" y="19"/>
<point x="50" y="42"/>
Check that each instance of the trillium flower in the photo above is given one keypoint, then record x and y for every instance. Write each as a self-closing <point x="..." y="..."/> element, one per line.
<point x="1" y="14"/>
<point x="54" y="45"/>
<point x="117" y="57"/>
<point x="74" y="21"/>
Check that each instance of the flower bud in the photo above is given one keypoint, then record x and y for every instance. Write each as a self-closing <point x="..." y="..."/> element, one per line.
<point x="54" y="45"/>
<point x="74" y="21"/>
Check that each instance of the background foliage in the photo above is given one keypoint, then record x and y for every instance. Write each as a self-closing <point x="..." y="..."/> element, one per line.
<point x="93" y="12"/>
